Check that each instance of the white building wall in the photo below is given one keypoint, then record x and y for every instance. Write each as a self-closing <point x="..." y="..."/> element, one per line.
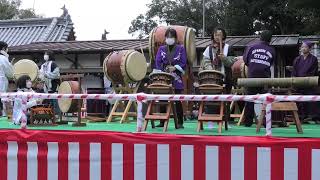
<point x="91" y="81"/>
<point x="89" y="60"/>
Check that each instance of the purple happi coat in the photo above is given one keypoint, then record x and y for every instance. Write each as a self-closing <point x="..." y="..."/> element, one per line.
<point x="305" y="67"/>
<point x="177" y="58"/>
<point x="259" y="58"/>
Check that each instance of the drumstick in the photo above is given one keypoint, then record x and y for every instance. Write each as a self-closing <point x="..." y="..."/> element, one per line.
<point x="12" y="60"/>
<point x="141" y="48"/>
<point x="220" y="34"/>
<point x="148" y="64"/>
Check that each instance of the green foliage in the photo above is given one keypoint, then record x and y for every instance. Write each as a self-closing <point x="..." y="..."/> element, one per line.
<point x="10" y="9"/>
<point x="27" y="13"/>
<point x="142" y="25"/>
<point x="238" y="17"/>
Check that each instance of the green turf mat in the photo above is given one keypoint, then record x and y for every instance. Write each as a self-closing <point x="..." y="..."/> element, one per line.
<point x="310" y="130"/>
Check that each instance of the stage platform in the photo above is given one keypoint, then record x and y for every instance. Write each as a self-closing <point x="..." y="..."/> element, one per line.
<point x="112" y="151"/>
<point x="309" y="130"/>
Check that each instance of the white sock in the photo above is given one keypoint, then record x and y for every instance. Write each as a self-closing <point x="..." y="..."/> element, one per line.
<point x="210" y="125"/>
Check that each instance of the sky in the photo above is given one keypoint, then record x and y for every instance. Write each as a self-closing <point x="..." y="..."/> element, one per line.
<point x="91" y="17"/>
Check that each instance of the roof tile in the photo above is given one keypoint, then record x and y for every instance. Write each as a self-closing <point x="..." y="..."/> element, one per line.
<point x="26" y="31"/>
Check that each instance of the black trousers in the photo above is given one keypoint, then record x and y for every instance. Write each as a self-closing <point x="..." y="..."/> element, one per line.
<point x="308" y="109"/>
<point x="1" y="107"/>
<point x="178" y="107"/>
<point x="211" y="109"/>
<point x="249" y="113"/>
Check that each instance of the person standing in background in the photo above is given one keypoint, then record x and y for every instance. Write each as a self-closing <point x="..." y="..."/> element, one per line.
<point x="108" y="90"/>
<point x="50" y="74"/>
<point x="306" y="65"/>
<point x="6" y="71"/>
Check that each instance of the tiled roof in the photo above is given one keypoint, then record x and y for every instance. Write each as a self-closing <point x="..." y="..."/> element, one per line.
<point x="243" y="41"/>
<point x="26" y="31"/>
<point x="110" y="45"/>
<point x="314" y="38"/>
<point x="84" y="46"/>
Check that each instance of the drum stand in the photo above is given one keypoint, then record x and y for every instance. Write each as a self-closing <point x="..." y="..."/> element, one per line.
<point x="150" y="116"/>
<point x="125" y="114"/>
<point x="235" y="108"/>
<point x="78" y="78"/>
<point x="211" y="89"/>
<point x="42" y="116"/>
<point x="282" y="107"/>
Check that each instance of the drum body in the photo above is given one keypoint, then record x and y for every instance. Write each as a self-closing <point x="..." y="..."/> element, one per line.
<point x="69" y="105"/>
<point x="239" y="69"/>
<point x="211" y="77"/>
<point x="26" y="67"/>
<point x="160" y="79"/>
<point x="186" y="37"/>
<point x="123" y="67"/>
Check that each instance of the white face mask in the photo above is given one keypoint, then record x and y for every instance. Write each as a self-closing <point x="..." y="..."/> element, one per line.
<point x="29" y="84"/>
<point x="170" y="41"/>
<point x="46" y="57"/>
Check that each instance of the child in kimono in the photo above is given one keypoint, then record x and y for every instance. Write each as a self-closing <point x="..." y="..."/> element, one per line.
<point x="306" y="65"/>
<point x="24" y="84"/>
<point x="172" y="58"/>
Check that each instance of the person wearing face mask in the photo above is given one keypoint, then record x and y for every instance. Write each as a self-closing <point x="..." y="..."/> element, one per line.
<point x="6" y="71"/>
<point x="172" y="58"/>
<point x="50" y="74"/>
<point x="306" y="65"/>
<point x="24" y="84"/>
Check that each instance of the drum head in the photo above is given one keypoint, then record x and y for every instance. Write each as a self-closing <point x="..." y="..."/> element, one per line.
<point x="152" y="47"/>
<point x="26" y="67"/>
<point x="191" y="46"/>
<point x="160" y="74"/>
<point x="211" y="71"/>
<point x="136" y="66"/>
<point x="65" y="104"/>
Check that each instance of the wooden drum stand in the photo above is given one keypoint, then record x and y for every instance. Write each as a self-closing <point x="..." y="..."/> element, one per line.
<point x="161" y="83"/>
<point x="211" y="82"/>
<point x="71" y="77"/>
<point x="127" y="104"/>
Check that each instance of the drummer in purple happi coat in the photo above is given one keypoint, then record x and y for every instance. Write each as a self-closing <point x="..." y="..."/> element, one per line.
<point x="306" y="65"/>
<point x="172" y="58"/>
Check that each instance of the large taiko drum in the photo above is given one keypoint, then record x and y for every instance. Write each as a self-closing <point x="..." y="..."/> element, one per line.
<point x="69" y="105"/>
<point x="211" y="77"/>
<point x="26" y="67"/>
<point x="239" y="69"/>
<point x="123" y="67"/>
<point x="186" y="37"/>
